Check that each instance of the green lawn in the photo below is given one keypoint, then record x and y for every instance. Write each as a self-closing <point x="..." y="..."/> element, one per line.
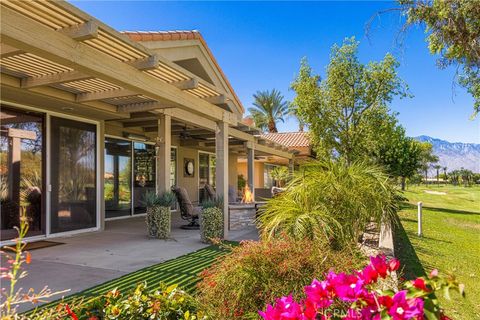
<point x="450" y="242"/>
<point x="183" y="271"/>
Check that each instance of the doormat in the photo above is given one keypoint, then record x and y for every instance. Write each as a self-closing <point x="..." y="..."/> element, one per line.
<point x="39" y="245"/>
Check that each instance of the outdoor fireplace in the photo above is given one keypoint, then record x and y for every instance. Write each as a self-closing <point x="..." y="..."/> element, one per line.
<point x="243" y="214"/>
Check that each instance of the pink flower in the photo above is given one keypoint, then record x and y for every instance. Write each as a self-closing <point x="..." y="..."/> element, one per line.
<point x="347" y="287"/>
<point x="403" y="308"/>
<point x="380" y="265"/>
<point x="419" y="283"/>
<point x="318" y="294"/>
<point x="393" y="265"/>
<point x="368" y="274"/>
<point x="434" y="273"/>
<point x="285" y="309"/>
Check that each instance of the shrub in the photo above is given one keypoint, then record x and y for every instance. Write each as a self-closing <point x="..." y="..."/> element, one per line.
<point x="211" y="222"/>
<point x="354" y="296"/>
<point x="158" y="214"/>
<point x="330" y="200"/>
<point x="255" y="273"/>
<point x="140" y="303"/>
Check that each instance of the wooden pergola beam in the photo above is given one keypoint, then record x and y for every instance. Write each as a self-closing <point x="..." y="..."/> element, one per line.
<point x="148" y="63"/>
<point x="146" y="123"/>
<point x="142" y="107"/>
<point x="31" y="82"/>
<point x="220" y="99"/>
<point x="109" y="94"/>
<point x="8" y="51"/>
<point x="81" y="32"/>
<point x="186" y="84"/>
<point x="30" y="36"/>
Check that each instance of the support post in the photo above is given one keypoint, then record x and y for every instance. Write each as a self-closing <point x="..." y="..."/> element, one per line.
<point x="251" y="170"/>
<point x="221" y="170"/>
<point x="419" y="219"/>
<point x="164" y="146"/>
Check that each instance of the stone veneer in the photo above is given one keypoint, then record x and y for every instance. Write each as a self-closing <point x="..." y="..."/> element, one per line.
<point x="242" y="215"/>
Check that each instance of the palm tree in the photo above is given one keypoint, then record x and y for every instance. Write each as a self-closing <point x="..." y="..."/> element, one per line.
<point x="445" y="177"/>
<point x="269" y="107"/>
<point x="437" y="167"/>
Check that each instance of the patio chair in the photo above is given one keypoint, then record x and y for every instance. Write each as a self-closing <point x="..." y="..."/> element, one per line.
<point x="187" y="210"/>
<point x="209" y="192"/>
<point x="276" y="191"/>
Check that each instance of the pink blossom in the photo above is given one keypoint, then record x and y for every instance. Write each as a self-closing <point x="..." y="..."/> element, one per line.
<point x="285" y="309"/>
<point x="347" y="287"/>
<point x="318" y="294"/>
<point x="403" y="308"/>
<point x="380" y="265"/>
<point x="393" y="265"/>
<point x="368" y="274"/>
<point x="419" y="283"/>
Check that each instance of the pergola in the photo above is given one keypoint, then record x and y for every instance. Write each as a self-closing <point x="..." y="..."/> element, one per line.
<point x="53" y="52"/>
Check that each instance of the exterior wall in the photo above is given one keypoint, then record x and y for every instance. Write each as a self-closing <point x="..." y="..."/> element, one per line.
<point x="258" y="173"/>
<point x="232" y="176"/>
<point x="189" y="183"/>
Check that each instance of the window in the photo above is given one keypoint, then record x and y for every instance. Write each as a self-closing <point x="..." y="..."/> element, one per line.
<point x="21" y="173"/>
<point x="206" y="172"/>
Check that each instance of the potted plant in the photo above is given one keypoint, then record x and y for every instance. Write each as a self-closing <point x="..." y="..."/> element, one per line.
<point x="159" y="214"/>
<point x="211" y="220"/>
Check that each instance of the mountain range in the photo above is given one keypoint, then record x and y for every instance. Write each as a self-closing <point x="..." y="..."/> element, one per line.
<point x="455" y="155"/>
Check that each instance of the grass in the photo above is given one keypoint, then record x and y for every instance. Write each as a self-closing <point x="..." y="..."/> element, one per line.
<point x="450" y="242"/>
<point x="183" y="271"/>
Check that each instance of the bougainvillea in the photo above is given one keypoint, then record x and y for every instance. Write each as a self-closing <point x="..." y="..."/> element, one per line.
<point x="352" y="296"/>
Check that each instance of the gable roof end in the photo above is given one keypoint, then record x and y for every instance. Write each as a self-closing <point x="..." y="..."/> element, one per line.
<point x="182" y="35"/>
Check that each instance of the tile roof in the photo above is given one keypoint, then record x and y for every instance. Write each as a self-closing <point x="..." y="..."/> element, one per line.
<point x="181" y="35"/>
<point x="289" y="139"/>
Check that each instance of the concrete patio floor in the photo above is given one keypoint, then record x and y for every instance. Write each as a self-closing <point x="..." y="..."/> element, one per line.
<point x="89" y="259"/>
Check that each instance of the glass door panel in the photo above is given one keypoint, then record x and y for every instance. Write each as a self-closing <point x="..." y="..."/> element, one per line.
<point x="21" y="171"/>
<point x="144" y="174"/>
<point x="118" y="178"/>
<point x="73" y="175"/>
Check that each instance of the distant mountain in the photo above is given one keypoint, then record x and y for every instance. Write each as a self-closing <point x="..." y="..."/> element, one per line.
<point x="455" y="155"/>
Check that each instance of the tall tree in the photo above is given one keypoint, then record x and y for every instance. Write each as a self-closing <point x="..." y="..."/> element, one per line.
<point x="453" y="28"/>
<point x="269" y="108"/>
<point x="437" y="167"/>
<point x="427" y="157"/>
<point x="400" y="155"/>
<point x="342" y="111"/>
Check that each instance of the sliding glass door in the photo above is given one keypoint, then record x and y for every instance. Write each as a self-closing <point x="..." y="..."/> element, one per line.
<point x="21" y="171"/>
<point x="73" y="173"/>
<point x="118" y="178"/>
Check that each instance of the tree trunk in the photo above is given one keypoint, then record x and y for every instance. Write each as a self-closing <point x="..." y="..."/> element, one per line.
<point x="403" y="183"/>
<point x="272" y="128"/>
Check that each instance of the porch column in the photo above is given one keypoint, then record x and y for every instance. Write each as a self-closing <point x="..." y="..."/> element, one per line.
<point x="251" y="168"/>
<point x="221" y="169"/>
<point x="164" y="146"/>
<point x="291" y="166"/>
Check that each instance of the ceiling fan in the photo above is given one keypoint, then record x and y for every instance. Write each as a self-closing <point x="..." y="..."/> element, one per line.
<point x="185" y="135"/>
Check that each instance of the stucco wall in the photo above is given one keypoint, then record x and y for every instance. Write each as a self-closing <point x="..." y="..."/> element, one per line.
<point x="258" y="172"/>
<point x="189" y="183"/>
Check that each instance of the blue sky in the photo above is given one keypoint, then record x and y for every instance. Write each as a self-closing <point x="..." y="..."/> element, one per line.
<point x="259" y="46"/>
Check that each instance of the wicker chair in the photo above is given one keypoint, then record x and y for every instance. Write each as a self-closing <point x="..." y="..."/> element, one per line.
<point x="188" y="211"/>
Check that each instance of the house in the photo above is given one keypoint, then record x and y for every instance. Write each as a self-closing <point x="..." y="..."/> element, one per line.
<point x="92" y="119"/>
<point x="296" y="142"/>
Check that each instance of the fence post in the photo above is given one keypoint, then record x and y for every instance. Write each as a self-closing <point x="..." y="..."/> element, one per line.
<point x="419" y="219"/>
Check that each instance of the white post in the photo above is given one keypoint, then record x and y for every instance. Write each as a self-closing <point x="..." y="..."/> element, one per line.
<point x="419" y="219"/>
<point x="221" y="170"/>
<point x="164" y="146"/>
<point x="251" y="168"/>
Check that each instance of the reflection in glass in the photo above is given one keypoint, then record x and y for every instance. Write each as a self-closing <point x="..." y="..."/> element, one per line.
<point x="73" y="175"/>
<point x="206" y="173"/>
<point x="144" y="174"/>
<point x="118" y="178"/>
<point x="21" y="171"/>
